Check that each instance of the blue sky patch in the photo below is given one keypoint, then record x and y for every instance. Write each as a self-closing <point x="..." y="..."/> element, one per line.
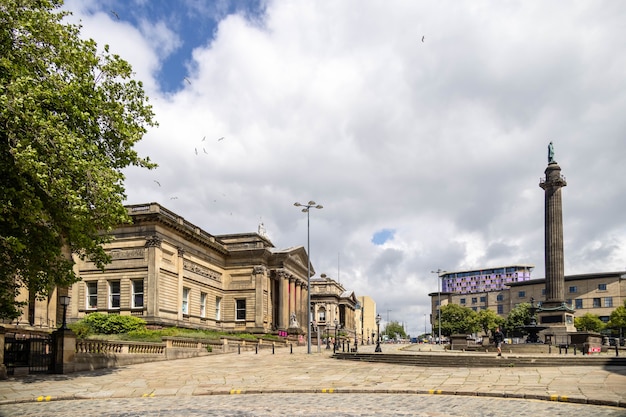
<point x="382" y="236"/>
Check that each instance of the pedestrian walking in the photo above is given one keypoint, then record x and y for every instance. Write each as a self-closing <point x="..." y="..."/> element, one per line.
<point x="498" y="339"/>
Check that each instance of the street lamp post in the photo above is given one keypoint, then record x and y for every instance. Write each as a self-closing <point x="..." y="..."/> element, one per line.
<point x="327" y="338"/>
<point x="307" y="210"/>
<point x="378" y="349"/>
<point x="335" y="341"/>
<point x="362" y="320"/>
<point x="65" y="301"/>
<point x="439" y="272"/>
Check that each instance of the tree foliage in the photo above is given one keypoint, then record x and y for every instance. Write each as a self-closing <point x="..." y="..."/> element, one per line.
<point x="488" y="320"/>
<point x="588" y="322"/>
<point x="394" y="330"/>
<point x="519" y="316"/>
<point x="456" y="319"/>
<point x="617" y="320"/>
<point x="69" y="119"/>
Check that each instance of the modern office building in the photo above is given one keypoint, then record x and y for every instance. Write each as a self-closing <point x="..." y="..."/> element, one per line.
<point x="595" y="293"/>
<point x="484" y="280"/>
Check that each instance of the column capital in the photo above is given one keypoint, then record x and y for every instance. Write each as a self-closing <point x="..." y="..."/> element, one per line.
<point x="153" y="242"/>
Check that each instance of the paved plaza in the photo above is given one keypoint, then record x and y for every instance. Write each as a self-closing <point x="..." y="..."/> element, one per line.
<point x="284" y="383"/>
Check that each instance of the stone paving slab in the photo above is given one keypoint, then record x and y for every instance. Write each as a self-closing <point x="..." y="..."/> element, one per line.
<point x="318" y="373"/>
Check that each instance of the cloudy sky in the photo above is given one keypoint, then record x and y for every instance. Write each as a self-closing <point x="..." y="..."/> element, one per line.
<point x="421" y="126"/>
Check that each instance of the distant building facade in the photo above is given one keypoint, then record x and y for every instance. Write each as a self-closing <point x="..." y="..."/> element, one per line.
<point x="595" y="293"/>
<point x="333" y="307"/>
<point x="172" y="273"/>
<point x="484" y="280"/>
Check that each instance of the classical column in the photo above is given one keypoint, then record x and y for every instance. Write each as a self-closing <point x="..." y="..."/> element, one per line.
<point x="292" y="296"/>
<point x="553" y="230"/>
<point x="180" y="266"/>
<point x="259" y="285"/>
<point x="298" y="302"/>
<point x="283" y="313"/>
<point x="153" y="247"/>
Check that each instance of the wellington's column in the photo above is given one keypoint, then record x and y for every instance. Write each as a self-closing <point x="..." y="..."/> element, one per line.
<point x="554" y="311"/>
<point x="554" y="258"/>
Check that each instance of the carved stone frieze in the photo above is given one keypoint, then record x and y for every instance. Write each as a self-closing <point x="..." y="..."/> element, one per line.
<point x="201" y="270"/>
<point x="136" y="253"/>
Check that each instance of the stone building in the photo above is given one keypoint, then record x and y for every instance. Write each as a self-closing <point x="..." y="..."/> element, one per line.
<point x="333" y="307"/>
<point x="596" y="293"/>
<point x="170" y="272"/>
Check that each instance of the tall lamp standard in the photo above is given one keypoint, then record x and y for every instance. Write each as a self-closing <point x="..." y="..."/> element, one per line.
<point x="439" y="272"/>
<point x="307" y="210"/>
<point x="378" y="349"/>
<point x="65" y="301"/>
<point x="335" y="341"/>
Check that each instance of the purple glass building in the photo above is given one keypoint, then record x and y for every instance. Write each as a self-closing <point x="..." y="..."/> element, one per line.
<point x="484" y="280"/>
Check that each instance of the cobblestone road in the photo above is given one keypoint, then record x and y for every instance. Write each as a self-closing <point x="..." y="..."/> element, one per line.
<point x="335" y="405"/>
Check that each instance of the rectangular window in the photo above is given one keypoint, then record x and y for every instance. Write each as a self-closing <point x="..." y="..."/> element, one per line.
<point x="573" y="289"/>
<point x="483" y="299"/>
<point x="543" y="291"/>
<point x="202" y="304"/>
<point x="185" y="300"/>
<point x="240" y="310"/>
<point x="601" y="287"/>
<point x="500" y="297"/>
<point x="462" y="300"/>
<point x="137" y="295"/>
<point x="218" y="308"/>
<point x="596" y="303"/>
<point x="608" y="301"/>
<point x="579" y="303"/>
<point x="521" y="294"/>
<point x="114" y="294"/>
<point x="474" y="300"/>
<point x="321" y="316"/>
<point x="92" y="294"/>
<point x="500" y="309"/>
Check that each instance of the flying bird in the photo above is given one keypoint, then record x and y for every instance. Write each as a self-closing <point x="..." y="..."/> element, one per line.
<point x="187" y="79"/>
<point x="158" y="183"/>
<point x="203" y="139"/>
<point x="422" y="38"/>
<point x="222" y="138"/>
<point x="115" y="14"/>
<point x="205" y="151"/>
<point x="173" y="198"/>
<point x="196" y="149"/>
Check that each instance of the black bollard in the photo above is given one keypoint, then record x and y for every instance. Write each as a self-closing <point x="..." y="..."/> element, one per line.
<point x="574" y="350"/>
<point x="239" y="349"/>
<point x="616" y="348"/>
<point x="291" y="348"/>
<point x="549" y="348"/>
<point x="272" y="348"/>
<point x="256" y="350"/>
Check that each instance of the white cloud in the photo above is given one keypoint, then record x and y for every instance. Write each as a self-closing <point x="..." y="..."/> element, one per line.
<point x="443" y="141"/>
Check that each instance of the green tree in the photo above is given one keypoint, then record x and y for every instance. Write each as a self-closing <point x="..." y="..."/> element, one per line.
<point x="488" y="320"/>
<point x="588" y="322"/>
<point x="518" y="317"/>
<point x="456" y="319"/>
<point x="394" y="330"/>
<point x="617" y="320"/>
<point x="69" y="119"/>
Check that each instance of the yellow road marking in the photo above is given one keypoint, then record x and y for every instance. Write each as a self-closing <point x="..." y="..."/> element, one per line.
<point x="42" y="398"/>
<point x="554" y="397"/>
<point x="328" y="390"/>
<point x="434" y="391"/>
<point x="235" y="391"/>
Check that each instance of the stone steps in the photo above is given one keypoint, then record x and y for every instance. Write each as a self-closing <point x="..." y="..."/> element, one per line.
<point x="482" y="361"/>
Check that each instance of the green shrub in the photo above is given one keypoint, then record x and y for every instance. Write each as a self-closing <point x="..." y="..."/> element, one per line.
<point x="81" y="329"/>
<point x="113" y="323"/>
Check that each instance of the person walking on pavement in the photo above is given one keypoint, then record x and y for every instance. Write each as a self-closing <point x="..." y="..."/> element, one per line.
<point x="498" y="339"/>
